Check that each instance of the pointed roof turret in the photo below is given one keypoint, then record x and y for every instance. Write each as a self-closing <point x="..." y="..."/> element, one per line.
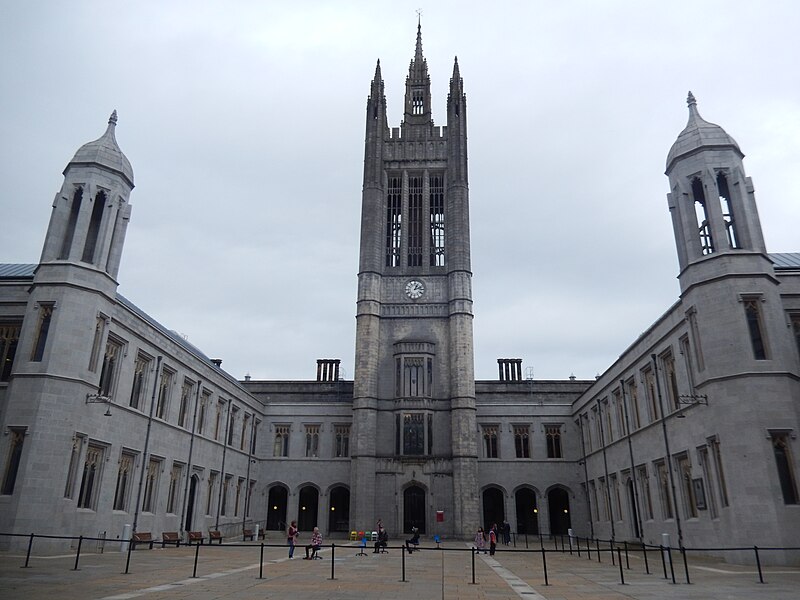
<point x="418" y="70"/>
<point x="104" y="152"/>
<point x="698" y="134"/>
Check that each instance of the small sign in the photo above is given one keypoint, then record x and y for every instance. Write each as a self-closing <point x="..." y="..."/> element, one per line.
<point x="439" y="516"/>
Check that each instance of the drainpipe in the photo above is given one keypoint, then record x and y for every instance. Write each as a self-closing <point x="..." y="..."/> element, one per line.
<point x="605" y="468"/>
<point x="669" y="456"/>
<point x="222" y="471"/>
<point x="184" y="508"/>
<point x="247" y="481"/>
<point x="586" y="477"/>
<point x="636" y="511"/>
<point x="146" y="445"/>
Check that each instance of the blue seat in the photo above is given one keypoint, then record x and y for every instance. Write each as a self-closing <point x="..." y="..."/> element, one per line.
<point x="437" y="539"/>
<point x="362" y="546"/>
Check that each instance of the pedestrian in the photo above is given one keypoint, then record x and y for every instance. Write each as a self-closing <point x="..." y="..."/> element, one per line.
<point x="291" y="537"/>
<point x="480" y="540"/>
<point x="492" y="539"/>
<point x="506" y="533"/>
<point x="413" y="541"/>
<point x="315" y="545"/>
<point x="383" y="540"/>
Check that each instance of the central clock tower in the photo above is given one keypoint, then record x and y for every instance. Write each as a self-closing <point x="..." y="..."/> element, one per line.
<point x="414" y="447"/>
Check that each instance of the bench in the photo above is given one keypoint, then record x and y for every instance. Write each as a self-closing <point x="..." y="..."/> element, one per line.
<point x="144" y="537"/>
<point x="196" y="536"/>
<point x="170" y="537"/>
<point x="248" y="533"/>
<point x="262" y="534"/>
<point x="214" y="535"/>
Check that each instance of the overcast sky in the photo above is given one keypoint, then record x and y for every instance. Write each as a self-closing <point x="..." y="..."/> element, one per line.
<point x="244" y="123"/>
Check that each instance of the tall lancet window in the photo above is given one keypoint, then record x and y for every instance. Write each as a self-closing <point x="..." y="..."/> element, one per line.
<point x="727" y="210"/>
<point x="701" y="212"/>
<point x="437" y="220"/>
<point x="74" y="211"/>
<point x="415" y="221"/>
<point x="417" y="102"/>
<point x="94" y="227"/>
<point x="394" y="216"/>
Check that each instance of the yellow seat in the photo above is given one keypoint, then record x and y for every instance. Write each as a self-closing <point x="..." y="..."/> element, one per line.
<point x="353" y="536"/>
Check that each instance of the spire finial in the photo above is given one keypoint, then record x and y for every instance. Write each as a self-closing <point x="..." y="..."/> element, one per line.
<point x="112" y="120"/>
<point x="418" y="50"/>
<point x="690" y="99"/>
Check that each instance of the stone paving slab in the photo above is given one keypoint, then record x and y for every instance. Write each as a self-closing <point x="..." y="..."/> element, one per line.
<point x="232" y="572"/>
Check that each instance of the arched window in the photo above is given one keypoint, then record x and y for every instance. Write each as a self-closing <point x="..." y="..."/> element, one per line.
<point x="74" y="210"/>
<point x="94" y="227"/>
<point x="726" y="204"/>
<point x="701" y="213"/>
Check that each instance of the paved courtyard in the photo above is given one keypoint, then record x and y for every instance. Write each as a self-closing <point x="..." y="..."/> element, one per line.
<point x="232" y="571"/>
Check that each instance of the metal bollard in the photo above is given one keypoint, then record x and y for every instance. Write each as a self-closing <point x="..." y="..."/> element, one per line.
<point x="473" y="566"/>
<point x="196" y="555"/>
<point x="758" y="564"/>
<point x="663" y="560"/>
<point x="627" y="560"/>
<point x="619" y="560"/>
<point x="28" y="555"/>
<point x="333" y="562"/>
<point x="644" y="554"/>
<point x="597" y="545"/>
<point x="403" y="554"/>
<point x="78" y="554"/>
<point x="671" y="565"/>
<point x="128" y="559"/>
<point x="685" y="564"/>
<point x="544" y="566"/>
<point x="611" y="551"/>
<point x="261" y="563"/>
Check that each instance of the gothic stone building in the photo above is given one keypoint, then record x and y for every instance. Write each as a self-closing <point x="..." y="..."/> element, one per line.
<point x="692" y="431"/>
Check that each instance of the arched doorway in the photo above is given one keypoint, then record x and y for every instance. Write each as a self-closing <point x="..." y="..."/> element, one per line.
<point x="527" y="511"/>
<point x="414" y="509"/>
<point x="494" y="510"/>
<point x="339" y="512"/>
<point x="307" y="508"/>
<point x="276" y="508"/>
<point x="558" y="503"/>
<point x="187" y="524"/>
<point x="633" y="508"/>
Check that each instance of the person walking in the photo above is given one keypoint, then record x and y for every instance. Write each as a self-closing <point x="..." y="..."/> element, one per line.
<point x="480" y="540"/>
<point x="506" y="533"/>
<point x="492" y="539"/>
<point x="291" y="537"/>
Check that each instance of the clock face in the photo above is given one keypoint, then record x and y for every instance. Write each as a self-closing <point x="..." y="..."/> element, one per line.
<point x="414" y="289"/>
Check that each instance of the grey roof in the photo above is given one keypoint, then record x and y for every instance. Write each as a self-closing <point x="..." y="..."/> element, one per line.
<point x="104" y="152"/>
<point x="697" y="134"/>
<point x="785" y="260"/>
<point x="13" y="271"/>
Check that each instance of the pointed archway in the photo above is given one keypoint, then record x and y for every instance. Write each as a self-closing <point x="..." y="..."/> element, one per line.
<point x="413" y="509"/>
<point x="190" y="501"/>
<point x="276" y="508"/>
<point x="494" y="510"/>
<point x="339" y="510"/>
<point x="527" y="511"/>
<point x="558" y="503"/>
<point x="307" y="508"/>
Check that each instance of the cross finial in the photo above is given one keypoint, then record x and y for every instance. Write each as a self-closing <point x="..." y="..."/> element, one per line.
<point x="112" y="120"/>
<point x="419" y="17"/>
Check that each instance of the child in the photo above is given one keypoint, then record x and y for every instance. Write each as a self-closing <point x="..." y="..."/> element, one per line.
<point x="480" y="540"/>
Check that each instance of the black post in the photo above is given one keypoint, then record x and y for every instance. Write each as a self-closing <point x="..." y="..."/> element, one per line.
<point x="685" y="564"/>
<point x="671" y="564"/>
<point x="196" y="554"/>
<point x="526" y="540"/>
<point x="544" y="566"/>
<point x="78" y="554"/>
<point x="30" y="545"/>
<point x="333" y="561"/>
<point x="644" y="553"/>
<point x="261" y="563"/>
<point x="758" y="564"/>
<point x="619" y="560"/>
<point x="128" y="559"/>
<point x="569" y="537"/>
<point x="588" y="549"/>
<point x="514" y="539"/>
<point x="578" y="544"/>
<point x="663" y="561"/>
<point x="611" y="549"/>
<point x="403" y="553"/>
<point x="597" y="545"/>
<point x="627" y="560"/>
<point x="473" y="566"/>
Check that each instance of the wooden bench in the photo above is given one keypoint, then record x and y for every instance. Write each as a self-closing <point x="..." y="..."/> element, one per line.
<point x="170" y="537"/>
<point x="196" y="536"/>
<point x="214" y="535"/>
<point x="248" y="533"/>
<point x="142" y="537"/>
<point x="262" y="534"/>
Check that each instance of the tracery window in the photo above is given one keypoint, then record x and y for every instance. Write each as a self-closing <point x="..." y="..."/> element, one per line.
<point x="14" y="459"/>
<point x="9" y="338"/>
<point x="93" y="232"/>
<point x="212" y="483"/>
<point x="69" y="234"/>
<point x="716" y="453"/>
<point x="436" y="208"/>
<point x="45" y="314"/>
<point x="650" y="392"/>
<point x="684" y="469"/>
<point x="164" y="390"/>
<point x="417" y="102"/>
<point x="90" y="482"/>
<point x="394" y="220"/>
<point x="245" y="423"/>
<point x="522" y="441"/>
<point x="174" y="487"/>
<point x="663" y="487"/>
<point x="785" y="464"/>
<point x="124" y="475"/>
<point x="644" y="484"/>
<point x="490" y="441"/>
<point x="670" y="379"/>
<point x="552" y="434"/>
<point x="281" y="445"/>
<point x="413" y="434"/>
<point x="151" y="485"/>
<point x="414" y="376"/>
<point x="633" y="395"/>
<point x="225" y="489"/>
<point x="701" y="214"/>
<point x="312" y="441"/>
<point x="138" y="389"/>
<point x="239" y="483"/>
<point x="752" y="311"/>
<point x="415" y="221"/>
<point x="74" y="464"/>
<point x="342" y="433"/>
<point x="109" y="371"/>
<point x="205" y="402"/>
<point x="186" y="397"/>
